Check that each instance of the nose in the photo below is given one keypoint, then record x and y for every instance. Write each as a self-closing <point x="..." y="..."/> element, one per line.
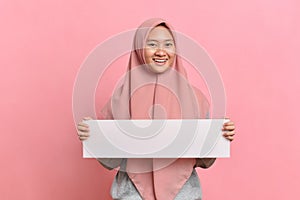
<point x="160" y="52"/>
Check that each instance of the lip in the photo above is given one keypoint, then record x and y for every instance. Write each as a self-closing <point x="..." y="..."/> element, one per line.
<point x="160" y="61"/>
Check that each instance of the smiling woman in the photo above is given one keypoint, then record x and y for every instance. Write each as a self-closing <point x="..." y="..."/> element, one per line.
<point x="154" y="58"/>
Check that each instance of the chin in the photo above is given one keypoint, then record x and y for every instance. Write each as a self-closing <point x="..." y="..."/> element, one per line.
<point x="159" y="69"/>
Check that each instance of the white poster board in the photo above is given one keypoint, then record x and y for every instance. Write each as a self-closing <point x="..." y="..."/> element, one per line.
<point x="156" y="139"/>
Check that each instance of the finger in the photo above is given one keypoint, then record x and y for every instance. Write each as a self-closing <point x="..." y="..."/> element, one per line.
<point x="83" y="134"/>
<point x="83" y="138"/>
<point x="83" y="129"/>
<point x="230" y="138"/>
<point x="229" y="123"/>
<point x="230" y="133"/>
<point x="228" y="128"/>
<point x="83" y="124"/>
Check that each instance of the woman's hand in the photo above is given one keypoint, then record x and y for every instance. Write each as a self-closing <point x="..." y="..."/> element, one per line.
<point x="83" y="129"/>
<point x="228" y="129"/>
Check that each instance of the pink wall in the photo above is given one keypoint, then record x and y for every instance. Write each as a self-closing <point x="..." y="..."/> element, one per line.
<point x="255" y="44"/>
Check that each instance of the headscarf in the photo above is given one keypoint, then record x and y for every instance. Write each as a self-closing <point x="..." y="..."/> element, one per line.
<point x="157" y="178"/>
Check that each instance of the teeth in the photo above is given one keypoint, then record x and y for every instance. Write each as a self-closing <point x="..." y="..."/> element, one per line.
<point x="158" y="60"/>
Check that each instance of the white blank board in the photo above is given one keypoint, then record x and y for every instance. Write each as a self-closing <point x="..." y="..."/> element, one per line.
<point x="195" y="138"/>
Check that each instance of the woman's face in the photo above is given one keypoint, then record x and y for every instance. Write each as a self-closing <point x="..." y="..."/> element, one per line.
<point x="160" y="49"/>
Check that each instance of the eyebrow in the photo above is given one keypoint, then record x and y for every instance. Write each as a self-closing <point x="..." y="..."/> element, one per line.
<point x="153" y="40"/>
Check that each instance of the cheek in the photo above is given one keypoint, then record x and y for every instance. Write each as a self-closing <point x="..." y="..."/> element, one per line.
<point x="171" y="53"/>
<point x="172" y="56"/>
<point x="148" y="55"/>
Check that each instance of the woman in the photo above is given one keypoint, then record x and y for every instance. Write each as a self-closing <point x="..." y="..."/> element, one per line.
<point x="154" y="59"/>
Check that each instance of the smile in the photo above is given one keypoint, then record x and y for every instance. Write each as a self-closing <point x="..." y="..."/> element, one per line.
<point x="160" y="61"/>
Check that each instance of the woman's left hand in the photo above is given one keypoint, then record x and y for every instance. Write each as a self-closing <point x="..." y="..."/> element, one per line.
<point x="228" y="130"/>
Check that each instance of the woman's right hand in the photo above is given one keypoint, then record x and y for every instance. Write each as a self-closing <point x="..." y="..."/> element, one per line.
<point x="83" y="129"/>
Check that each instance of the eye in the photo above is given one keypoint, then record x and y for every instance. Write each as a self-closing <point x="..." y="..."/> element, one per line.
<point x="151" y="44"/>
<point x="169" y="44"/>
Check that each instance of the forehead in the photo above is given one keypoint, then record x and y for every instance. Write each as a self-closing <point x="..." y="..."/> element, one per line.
<point x="160" y="33"/>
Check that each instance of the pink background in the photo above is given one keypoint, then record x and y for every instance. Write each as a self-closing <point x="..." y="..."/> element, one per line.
<point x="255" y="44"/>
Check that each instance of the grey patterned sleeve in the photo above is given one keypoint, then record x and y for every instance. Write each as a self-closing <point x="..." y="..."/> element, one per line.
<point x="204" y="162"/>
<point x="110" y="163"/>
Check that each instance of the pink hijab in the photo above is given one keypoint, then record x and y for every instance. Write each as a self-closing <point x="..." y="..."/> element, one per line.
<point x="152" y="177"/>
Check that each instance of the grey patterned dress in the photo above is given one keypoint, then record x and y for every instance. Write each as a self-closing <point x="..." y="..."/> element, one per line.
<point x="123" y="188"/>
